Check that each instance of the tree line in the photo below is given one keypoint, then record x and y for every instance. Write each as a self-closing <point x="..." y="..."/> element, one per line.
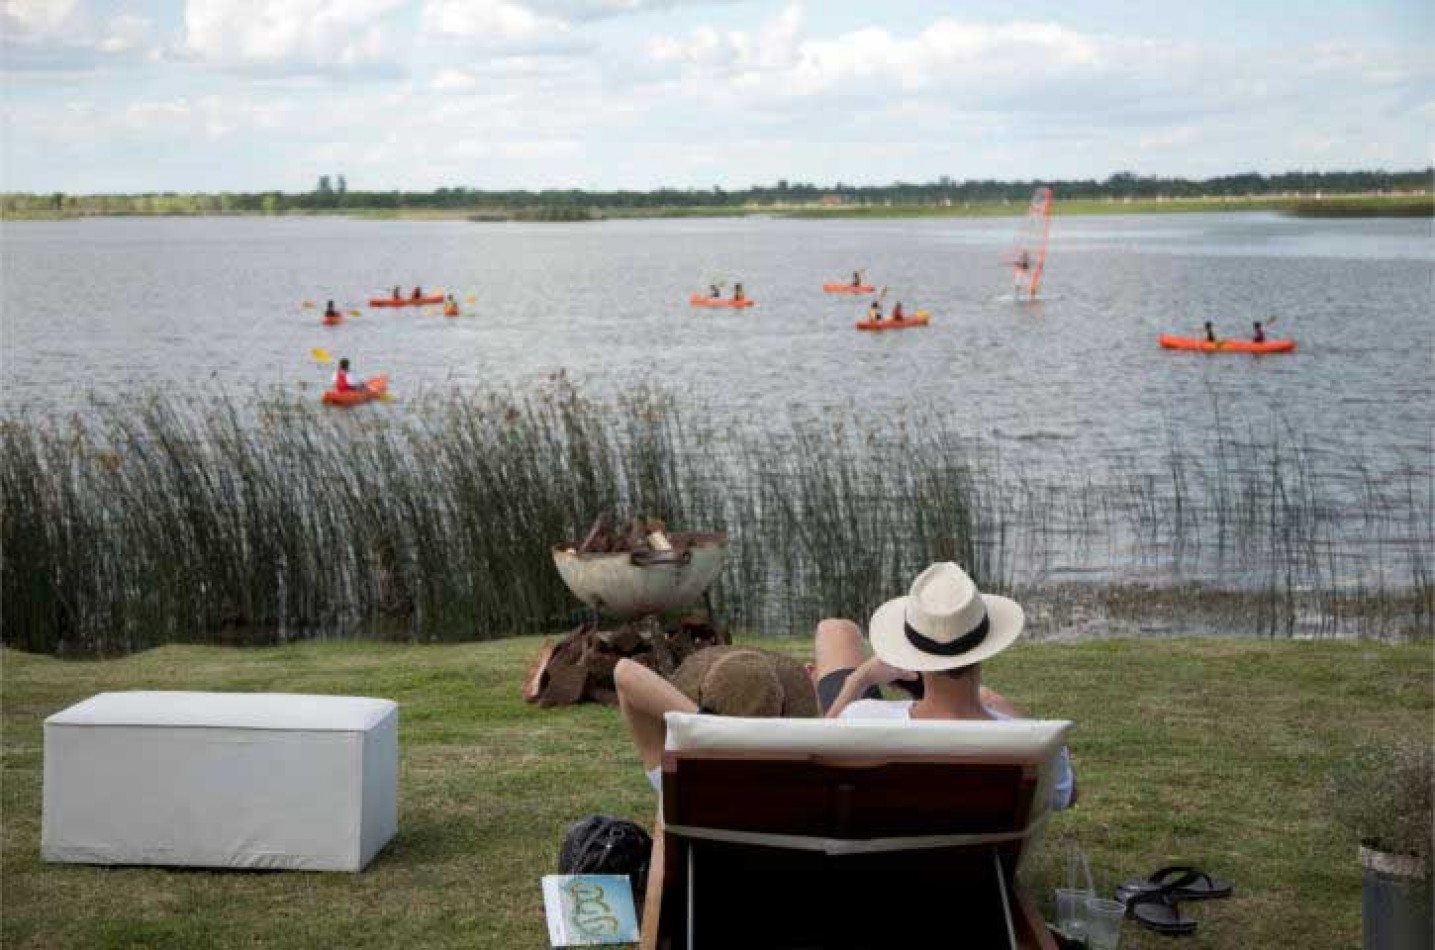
<point x="333" y="194"/>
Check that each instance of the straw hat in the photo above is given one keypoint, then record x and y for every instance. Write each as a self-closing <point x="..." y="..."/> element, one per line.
<point x="742" y="681"/>
<point x="944" y="623"/>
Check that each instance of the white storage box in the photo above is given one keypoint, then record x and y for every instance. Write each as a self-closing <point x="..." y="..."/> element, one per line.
<point x="236" y="780"/>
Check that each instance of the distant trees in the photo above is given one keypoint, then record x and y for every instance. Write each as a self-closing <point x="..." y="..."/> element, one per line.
<point x="332" y="192"/>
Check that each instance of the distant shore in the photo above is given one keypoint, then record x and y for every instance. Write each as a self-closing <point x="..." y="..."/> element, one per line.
<point x="1345" y="206"/>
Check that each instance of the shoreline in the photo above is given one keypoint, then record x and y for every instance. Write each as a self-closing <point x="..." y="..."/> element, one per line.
<point x="1326" y="206"/>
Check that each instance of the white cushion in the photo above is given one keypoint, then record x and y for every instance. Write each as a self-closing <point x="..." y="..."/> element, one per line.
<point x="1029" y="738"/>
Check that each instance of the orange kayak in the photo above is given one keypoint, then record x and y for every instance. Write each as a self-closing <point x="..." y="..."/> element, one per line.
<point x="849" y="288"/>
<point x="373" y="388"/>
<point x="917" y="320"/>
<point x="405" y="301"/>
<point x="698" y="300"/>
<point x="333" y="319"/>
<point x="1169" y="342"/>
<point x="450" y="311"/>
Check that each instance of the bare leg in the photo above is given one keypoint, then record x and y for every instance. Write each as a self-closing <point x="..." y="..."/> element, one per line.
<point x="644" y="698"/>
<point x="838" y="646"/>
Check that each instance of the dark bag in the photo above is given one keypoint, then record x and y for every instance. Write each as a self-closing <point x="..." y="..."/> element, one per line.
<point x="602" y="845"/>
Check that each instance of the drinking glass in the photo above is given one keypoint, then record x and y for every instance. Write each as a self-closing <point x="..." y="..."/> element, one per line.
<point x="1102" y="921"/>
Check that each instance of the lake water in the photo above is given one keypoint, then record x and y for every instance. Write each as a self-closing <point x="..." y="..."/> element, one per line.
<point x="1071" y="384"/>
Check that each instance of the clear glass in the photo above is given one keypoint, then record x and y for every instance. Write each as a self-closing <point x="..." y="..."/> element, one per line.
<point x="1071" y="911"/>
<point x="1102" y="922"/>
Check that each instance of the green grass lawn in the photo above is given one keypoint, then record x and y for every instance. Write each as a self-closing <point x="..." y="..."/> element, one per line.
<point x="1213" y="751"/>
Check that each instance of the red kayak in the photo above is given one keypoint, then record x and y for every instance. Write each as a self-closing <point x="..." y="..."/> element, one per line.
<point x="405" y="301"/>
<point x="333" y="319"/>
<point x="698" y="300"/>
<point x="919" y="319"/>
<point x="372" y="389"/>
<point x="849" y="288"/>
<point x="1169" y="342"/>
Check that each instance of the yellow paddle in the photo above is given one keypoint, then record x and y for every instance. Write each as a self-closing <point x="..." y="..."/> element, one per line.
<point x="321" y="355"/>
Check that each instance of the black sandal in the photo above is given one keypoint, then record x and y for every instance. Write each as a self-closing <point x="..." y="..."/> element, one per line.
<point x="1157" y="910"/>
<point x="1183" y="882"/>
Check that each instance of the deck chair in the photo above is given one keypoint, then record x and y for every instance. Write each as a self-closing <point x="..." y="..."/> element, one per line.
<point x="803" y="834"/>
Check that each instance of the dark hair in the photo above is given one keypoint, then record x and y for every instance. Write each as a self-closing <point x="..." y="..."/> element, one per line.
<point x="344" y="362"/>
<point x="599" y="844"/>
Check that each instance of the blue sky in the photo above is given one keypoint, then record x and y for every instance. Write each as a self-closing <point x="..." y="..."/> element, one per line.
<point x="249" y="95"/>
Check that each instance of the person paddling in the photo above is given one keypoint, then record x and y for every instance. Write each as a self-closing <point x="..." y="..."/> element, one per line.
<point x="714" y="292"/>
<point x="856" y="278"/>
<point x="1210" y="332"/>
<point x="418" y="293"/>
<point x="1257" y="334"/>
<point x="342" y="382"/>
<point x="398" y="295"/>
<point x="874" y="312"/>
<point x="897" y="312"/>
<point x="330" y="313"/>
<point x="737" y="292"/>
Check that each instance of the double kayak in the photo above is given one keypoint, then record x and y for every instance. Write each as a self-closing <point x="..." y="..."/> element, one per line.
<point x="405" y="301"/>
<point x="919" y="319"/>
<point x="849" y="288"/>
<point x="1169" y="342"/>
<point x="373" y="388"/>
<point x="698" y="300"/>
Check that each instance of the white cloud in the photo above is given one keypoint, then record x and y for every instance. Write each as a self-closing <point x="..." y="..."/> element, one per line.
<point x="25" y="19"/>
<point x="489" y="21"/>
<point x="321" y="35"/>
<point x="453" y="80"/>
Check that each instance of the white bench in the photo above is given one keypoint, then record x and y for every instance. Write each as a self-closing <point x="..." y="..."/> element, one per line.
<point x="236" y="780"/>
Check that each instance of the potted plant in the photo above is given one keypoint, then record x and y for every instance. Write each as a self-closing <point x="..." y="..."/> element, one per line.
<point x="1383" y="795"/>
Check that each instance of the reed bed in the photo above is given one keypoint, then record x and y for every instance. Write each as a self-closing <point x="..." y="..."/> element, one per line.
<point x="156" y="522"/>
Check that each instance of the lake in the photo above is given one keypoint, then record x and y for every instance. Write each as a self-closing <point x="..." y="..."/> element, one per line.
<point x="1066" y="392"/>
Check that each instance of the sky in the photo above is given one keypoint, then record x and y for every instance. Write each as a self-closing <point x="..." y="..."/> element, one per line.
<point x="253" y="95"/>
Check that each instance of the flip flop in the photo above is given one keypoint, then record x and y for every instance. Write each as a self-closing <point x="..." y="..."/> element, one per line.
<point x="1181" y="881"/>
<point x="1157" y="910"/>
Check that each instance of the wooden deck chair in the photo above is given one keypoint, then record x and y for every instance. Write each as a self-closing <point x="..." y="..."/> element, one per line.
<point x="821" y="833"/>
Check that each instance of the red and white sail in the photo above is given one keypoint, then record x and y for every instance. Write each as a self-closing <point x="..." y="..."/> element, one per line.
<point x="1028" y="257"/>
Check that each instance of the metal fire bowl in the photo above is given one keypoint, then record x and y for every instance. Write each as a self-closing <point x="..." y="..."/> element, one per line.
<point x="628" y="585"/>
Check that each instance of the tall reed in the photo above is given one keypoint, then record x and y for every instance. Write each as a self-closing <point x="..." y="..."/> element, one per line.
<point x="156" y="521"/>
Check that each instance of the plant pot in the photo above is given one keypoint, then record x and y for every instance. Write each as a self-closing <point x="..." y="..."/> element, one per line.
<point x="1395" y="901"/>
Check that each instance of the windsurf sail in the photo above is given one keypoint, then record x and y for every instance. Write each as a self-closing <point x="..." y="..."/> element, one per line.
<point x="1028" y="257"/>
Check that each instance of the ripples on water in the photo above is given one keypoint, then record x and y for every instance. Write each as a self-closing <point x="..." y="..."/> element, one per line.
<point x="1064" y="395"/>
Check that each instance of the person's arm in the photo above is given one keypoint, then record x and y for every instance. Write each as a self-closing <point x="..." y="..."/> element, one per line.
<point x="872" y="672"/>
<point x="645" y="697"/>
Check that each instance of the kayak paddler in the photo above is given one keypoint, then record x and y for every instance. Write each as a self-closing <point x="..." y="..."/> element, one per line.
<point x="1257" y="334"/>
<point x="713" y="291"/>
<point x="1210" y="333"/>
<point x="856" y="278"/>
<point x="329" y="310"/>
<point x="418" y="293"/>
<point x="342" y="382"/>
<point x="398" y="295"/>
<point x="874" y="312"/>
<point x="897" y="311"/>
<point x="737" y="292"/>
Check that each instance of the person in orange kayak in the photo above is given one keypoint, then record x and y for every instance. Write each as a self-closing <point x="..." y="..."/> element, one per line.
<point x="713" y="291"/>
<point x="874" y="312"/>
<point x="342" y="381"/>
<point x="737" y="292"/>
<point x="1210" y="332"/>
<point x="1257" y="334"/>
<point x="897" y="311"/>
<point x="330" y="312"/>
<point x="418" y="293"/>
<point x="398" y="295"/>
<point x="856" y="278"/>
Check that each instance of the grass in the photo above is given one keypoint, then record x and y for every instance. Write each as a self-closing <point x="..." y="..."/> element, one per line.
<point x="158" y="521"/>
<point x="1194" y="750"/>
